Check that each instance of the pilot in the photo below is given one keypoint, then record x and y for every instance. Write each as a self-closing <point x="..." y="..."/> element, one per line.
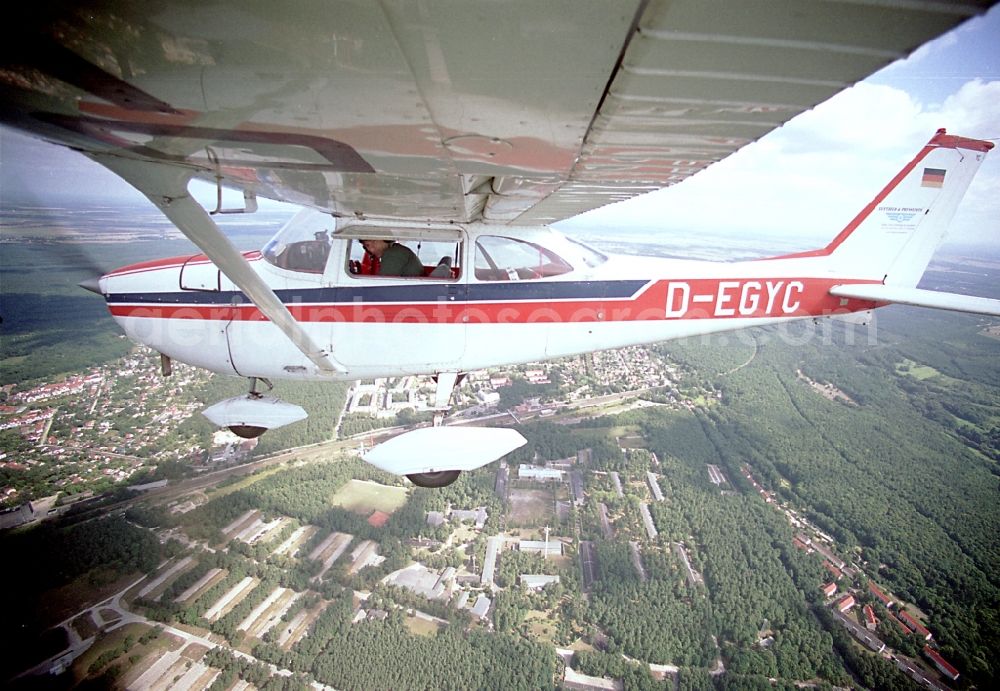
<point x="395" y="259"/>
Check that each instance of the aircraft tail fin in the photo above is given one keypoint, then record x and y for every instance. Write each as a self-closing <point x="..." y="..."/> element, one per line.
<point x="893" y="238"/>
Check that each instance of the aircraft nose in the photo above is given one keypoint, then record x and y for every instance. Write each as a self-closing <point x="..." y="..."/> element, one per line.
<point x="92" y="284"/>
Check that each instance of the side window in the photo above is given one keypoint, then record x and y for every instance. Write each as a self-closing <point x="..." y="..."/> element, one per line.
<point x="507" y="259"/>
<point x="417" y="259"/>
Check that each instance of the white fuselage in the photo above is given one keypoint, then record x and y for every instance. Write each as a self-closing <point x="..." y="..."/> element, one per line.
<point x="479" y="316"/>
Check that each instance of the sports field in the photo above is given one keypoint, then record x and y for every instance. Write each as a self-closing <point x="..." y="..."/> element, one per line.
<point x="530" y="507"/>
<point x="364" y="496"/>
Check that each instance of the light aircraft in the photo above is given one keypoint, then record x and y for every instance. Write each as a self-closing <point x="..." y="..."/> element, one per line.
<point x="461" y="131"/>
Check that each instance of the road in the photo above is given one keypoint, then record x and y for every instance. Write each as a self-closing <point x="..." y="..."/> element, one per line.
<point x="78" y="646"/>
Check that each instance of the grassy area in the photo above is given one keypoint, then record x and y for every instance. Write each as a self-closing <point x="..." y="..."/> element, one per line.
<point x="85" y="626"/>
<point x="633" y="442"/>
<point x="540" y="627"/>
<point x="363" y="497"/>
<point x="581" y="645"/>
<point x="217" y="492"/>
<point x="65" y="601"/>
<point x="621" y="431"/>
<point x="422" y="627"/>
<point x="915" y="370"/>
<point x="530" y="507"/>
<point x="113" y="640"/>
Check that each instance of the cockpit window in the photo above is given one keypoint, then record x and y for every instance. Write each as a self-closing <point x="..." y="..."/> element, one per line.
<point x="501" y="258"/>
<point x="303" y="244"/>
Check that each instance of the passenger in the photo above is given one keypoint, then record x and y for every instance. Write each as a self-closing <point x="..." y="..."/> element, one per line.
<point x="395" y="259"/>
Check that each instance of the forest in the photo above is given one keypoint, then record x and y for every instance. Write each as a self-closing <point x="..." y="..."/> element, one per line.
<point x="891" y="446"/>
<point x="394" y="657"/>
<point x="41" y="562"/>
<point x="898" y="471"/>
<point x="51" y="325"/>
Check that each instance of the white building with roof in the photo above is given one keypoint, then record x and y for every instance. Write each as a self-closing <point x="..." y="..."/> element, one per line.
<point x="482" y="606"/>
<point x="533" y="581"/>
<point x="552" y="548"/>
<point x="534" y="472"/>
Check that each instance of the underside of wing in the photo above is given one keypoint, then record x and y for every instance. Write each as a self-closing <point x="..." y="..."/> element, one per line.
<point x="515" y="112"/>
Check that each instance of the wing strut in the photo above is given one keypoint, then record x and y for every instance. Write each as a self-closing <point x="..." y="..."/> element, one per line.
<point x="167" y="187"/>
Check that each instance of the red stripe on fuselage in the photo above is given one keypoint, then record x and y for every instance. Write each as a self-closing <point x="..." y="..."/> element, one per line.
<point x="172" y="262"/>
<point x="676" y="299"/>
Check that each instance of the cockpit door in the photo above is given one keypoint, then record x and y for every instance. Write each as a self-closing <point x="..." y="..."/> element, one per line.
<point x="403" y="323"/>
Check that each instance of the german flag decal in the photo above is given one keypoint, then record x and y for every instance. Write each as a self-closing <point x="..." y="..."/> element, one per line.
<point x="933" y="177"/>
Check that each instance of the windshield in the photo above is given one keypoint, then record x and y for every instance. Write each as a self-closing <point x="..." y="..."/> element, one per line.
<point x="303" y="244"/>
<point x="591" y="257"/>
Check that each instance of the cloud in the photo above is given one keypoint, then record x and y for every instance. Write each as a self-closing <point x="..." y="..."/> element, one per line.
<point x="975" y="109"/>
<point x="808" y="179"/>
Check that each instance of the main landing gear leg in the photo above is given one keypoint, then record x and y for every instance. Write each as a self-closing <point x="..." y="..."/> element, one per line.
<point x="253" y="386"/>
<point x="446" y="383"/>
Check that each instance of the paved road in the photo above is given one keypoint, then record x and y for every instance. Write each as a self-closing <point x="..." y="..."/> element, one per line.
<point x="588" y="562"/>
<point x="78" y="646"/>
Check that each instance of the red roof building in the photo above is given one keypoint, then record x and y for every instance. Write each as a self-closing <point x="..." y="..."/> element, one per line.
<point x="846" y="603"/>
<point x="915" y="625"/>
<point x="903" y="627"/>
<point x="941" y="663"/>
<point x="881" y="596"/>
<point x="829" y="589"/>
<point x="378" y="519"/>
<point x="834" y="571"/>
<point x="801" y="545"/>
<point x="870" y="621"/>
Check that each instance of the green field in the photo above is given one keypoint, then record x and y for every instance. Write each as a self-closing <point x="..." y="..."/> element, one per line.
<point x="422" y="627"/>
<point x="363" y="497"/>
<point x="915" y="370"/>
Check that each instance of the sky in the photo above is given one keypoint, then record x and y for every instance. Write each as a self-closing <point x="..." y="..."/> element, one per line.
<point x="804" y="181"/>
<point x="809" y="178"/>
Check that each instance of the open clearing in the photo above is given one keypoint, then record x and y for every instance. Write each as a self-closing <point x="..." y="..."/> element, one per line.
<point x="106" y="642"/>
<point x="530" y="507"/>
<point x="633" y="442"/>
<point x="421" y="626"/>
<point x="826" y="390"/>
<point x="540" y="627"/>
<point x="364" y="496"/>
<point x="916" y="370"/>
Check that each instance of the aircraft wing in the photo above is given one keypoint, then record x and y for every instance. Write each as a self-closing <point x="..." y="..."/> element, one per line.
<point x="511" y="112"/>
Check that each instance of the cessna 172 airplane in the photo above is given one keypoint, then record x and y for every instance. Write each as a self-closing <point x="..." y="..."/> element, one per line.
<point x="460" y="130"/>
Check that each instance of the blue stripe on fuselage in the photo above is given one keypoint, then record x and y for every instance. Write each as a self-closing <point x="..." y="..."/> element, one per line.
<point x="403" y="293"/>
